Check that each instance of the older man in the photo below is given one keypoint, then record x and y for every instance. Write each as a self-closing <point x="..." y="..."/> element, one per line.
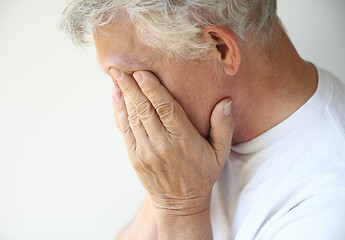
<point x="231" y="133"/>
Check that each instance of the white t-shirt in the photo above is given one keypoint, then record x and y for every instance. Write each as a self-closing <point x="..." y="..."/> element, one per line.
<point x="289" y="182"/>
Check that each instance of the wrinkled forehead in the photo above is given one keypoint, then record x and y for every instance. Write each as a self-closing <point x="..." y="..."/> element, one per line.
<point x="118" y="44"/>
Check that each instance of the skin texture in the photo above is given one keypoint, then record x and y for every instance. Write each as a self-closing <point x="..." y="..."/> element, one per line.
<point x="167" y="147"/>
<point x="123" y="50"/>
<point x="177" y="122"/>
<point x="164" y="148"/>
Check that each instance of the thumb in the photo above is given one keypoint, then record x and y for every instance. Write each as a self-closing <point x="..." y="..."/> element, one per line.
<point x="221" y="131"/>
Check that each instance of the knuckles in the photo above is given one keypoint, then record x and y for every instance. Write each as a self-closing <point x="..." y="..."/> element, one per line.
<point x="166" y="110"/>
<point x="145" y="160"/>
<point x="144" y="109"/>
<point x="153" y="156"/>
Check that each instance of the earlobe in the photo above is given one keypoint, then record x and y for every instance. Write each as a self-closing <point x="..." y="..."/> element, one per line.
<point x="226" y="50"/>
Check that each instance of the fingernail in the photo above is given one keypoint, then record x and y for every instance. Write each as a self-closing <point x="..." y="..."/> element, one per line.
<point x="137" y="76"/>
<point x="115" y="73"/>
<point x="117" y="93"/>
<point x="227" y="108"/>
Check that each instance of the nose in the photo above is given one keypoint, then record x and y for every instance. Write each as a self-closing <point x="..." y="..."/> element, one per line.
<point x="105" y="66"/>
<point x="101" y="60"/>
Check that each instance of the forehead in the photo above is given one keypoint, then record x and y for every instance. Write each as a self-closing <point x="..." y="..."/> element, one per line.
<point x="118" y="44"/>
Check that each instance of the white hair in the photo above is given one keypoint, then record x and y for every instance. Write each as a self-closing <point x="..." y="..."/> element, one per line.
<point x="174" y="26"/>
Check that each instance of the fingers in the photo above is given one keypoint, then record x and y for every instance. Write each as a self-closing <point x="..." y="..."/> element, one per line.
<point x="141" y="107"/>
<point x="222" y="128"/>
<point x="116" y="94"/>
<point x="134" y="121"/>
<point x="169" y="111"/>
<point x="121" y="117"/>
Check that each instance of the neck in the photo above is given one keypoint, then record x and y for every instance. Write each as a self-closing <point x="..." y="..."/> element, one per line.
<point x="269" y="89"/>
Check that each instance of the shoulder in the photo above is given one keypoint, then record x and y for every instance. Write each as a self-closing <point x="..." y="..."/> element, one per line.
<point x="319" y="217"/>
<point x="334" y="91"/>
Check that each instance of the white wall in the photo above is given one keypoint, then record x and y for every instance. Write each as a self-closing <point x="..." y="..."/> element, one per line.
<point x="63" y="167"/>
<point x="316" y="27"/>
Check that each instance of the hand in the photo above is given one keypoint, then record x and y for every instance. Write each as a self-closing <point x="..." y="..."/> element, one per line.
<point x="176" y="165"/>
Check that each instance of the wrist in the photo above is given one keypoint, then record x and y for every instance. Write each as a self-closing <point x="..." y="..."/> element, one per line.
<point x="177" y="226"/>
<point x="183" y="206"/>
<point x="187" y="218"/>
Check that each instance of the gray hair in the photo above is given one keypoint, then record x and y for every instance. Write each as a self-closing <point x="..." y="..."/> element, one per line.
<point x="174" y="26"/>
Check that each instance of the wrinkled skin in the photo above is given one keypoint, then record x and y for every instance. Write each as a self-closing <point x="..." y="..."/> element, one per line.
<point x="176" y="165"/>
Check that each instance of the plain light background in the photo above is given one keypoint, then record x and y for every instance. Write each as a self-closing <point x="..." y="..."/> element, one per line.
<point x="64" y="172"/>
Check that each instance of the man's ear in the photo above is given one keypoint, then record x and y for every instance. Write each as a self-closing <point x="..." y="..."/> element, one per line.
<point x="227" y="48"/>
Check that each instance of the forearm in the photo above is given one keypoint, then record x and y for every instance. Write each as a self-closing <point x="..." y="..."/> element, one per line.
<point x="143" y="226"/>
